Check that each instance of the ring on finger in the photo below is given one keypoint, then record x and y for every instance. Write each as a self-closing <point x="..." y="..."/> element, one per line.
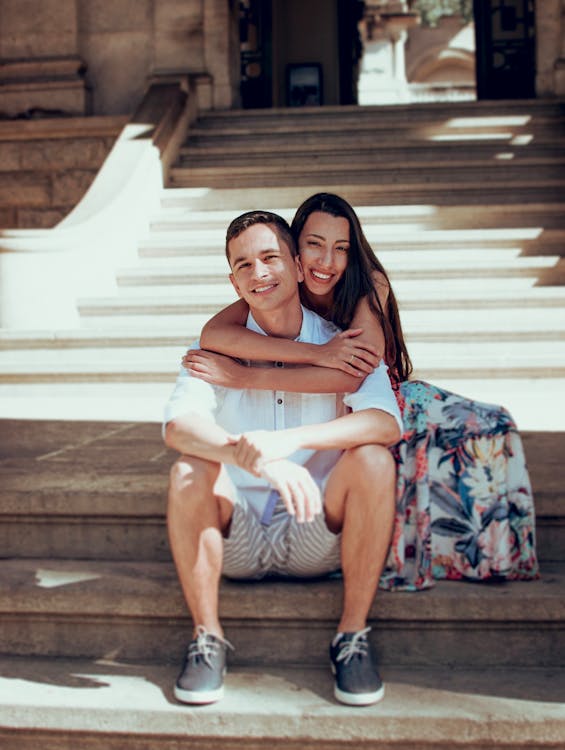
<point x="352" y="358"/>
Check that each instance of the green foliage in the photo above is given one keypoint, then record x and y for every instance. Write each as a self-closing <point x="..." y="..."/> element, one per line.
<point x="432" y="10"/>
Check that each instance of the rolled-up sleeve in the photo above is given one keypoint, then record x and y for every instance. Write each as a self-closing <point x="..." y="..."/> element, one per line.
<point x="376" y="393"/>
<point x="190" y="394"/>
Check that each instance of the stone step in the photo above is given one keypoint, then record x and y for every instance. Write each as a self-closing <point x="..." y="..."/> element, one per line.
<point x="444" y="295"/>
<point x="479" y="359"/>
<point x="485" y="174"/>
<point x="398" y="201"/>
<point x="408" y="290"/>
<point x="464" y="155"/>
<point x="418" y="325"/>
<point x="535" y="402"/>
<point x="467" y="135"/>
<point x="97" y="490"/>
<point x="428" y="265"/>
<point x="111" y="705"/>
<point x="179" y="217"/>
<point x="396" y="235"/>
<point x="471" y="193"/>
<point x="121" y="516"/>
<point x="135" y="610"/>
<point x="458" y="114"/>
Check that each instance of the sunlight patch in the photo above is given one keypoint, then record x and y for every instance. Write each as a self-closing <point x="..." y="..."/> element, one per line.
<point x="49" y="579"/>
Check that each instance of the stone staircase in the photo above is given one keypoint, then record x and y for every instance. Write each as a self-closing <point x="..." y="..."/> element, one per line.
<point x="92" y="621"/>
<point x="466" y="212"/>
<point x="93" y="625"/>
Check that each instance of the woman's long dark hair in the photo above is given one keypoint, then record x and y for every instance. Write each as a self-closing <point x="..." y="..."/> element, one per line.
<point x="358" y="280"/>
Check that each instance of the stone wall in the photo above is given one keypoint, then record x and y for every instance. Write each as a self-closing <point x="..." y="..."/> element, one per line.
<point x="47" y="166"/>
<point x="95" y="57"/>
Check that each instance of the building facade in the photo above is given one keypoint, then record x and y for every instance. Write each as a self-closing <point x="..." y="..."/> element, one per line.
<point x="95" y="57"/>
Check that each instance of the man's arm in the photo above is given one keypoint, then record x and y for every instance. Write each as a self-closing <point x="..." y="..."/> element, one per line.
<point x="195" y="434"/>
<point x="367" y="426"/>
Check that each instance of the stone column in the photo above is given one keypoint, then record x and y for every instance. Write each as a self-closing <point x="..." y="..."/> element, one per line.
<point x="40" y="69"/>
<point x="382" y="78"/>
<point x="221" y="53"/>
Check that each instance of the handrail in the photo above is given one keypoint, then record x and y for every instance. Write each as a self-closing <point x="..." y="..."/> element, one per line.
<point x="44" y="271"/>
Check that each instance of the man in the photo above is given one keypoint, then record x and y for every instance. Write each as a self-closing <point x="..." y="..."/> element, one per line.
<point x="279" y="483"/>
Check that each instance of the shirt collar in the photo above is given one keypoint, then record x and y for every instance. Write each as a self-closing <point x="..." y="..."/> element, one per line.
<point x="306" y="328"/>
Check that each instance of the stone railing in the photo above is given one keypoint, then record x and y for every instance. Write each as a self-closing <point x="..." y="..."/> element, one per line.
<point x="44" y="272"/>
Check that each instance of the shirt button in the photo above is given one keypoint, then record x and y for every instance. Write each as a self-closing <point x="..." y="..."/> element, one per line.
<point x="279" y="401"/>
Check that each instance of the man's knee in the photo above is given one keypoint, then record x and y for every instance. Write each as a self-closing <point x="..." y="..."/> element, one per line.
<point x="193" y="477"/>
<point x="371" y="461"/>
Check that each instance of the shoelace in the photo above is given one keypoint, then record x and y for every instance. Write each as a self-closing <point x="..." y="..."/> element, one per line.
<point x="357" y="645"/>
<point x="206" y="645"/>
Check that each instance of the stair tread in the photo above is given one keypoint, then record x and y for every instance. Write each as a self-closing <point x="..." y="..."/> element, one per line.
<point x="523" y="708"/>
<point x="71" y="588"/>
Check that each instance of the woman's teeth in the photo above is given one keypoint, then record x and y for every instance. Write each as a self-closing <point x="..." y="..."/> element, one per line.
<point x="322" y="276"/>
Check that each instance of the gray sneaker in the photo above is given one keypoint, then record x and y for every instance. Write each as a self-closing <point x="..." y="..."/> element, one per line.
<point x="202" y="677"/>
<point x="357" y="680"/>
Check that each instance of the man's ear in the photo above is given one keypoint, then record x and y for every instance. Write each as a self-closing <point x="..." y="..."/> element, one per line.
<point x="299" y="269"/>
<point x="234" y="284"/>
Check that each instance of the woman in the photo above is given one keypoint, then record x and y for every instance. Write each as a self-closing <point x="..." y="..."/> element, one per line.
<point x="464" y="502"/>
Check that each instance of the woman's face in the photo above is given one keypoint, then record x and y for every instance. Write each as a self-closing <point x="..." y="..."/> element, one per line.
<point x="323" y="246"/>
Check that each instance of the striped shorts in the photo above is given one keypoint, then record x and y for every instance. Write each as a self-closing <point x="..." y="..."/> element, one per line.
<point x="283" y="548"/>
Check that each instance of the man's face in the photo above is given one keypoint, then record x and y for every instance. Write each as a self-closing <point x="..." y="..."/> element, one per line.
<point x="264" y="273"/>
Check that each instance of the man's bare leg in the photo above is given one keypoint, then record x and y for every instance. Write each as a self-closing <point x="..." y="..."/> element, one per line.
<point x="199" y="511"/>
<point x="360" y="502"/>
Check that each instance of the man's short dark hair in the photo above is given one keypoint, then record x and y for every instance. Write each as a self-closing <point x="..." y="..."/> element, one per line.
<point x="248" y="219"/>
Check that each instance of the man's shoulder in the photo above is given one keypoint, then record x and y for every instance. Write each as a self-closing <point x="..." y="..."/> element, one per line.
<point x="318" y="329"/>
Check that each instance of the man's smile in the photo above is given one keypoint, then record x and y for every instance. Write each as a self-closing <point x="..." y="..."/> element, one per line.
<point x="264" y="288"/>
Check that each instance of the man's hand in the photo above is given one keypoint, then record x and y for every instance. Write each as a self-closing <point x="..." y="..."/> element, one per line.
<point x="252" y="450"/>
<point x="299" y="492"/>
<point x="214" y="368"/>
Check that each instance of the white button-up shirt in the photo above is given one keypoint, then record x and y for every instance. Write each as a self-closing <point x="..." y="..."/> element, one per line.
<point x="240" y="411"/>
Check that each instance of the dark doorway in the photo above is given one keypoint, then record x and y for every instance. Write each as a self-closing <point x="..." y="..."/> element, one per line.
<point x="255" y="37"/>
<point x="505" y="36"/>
<point x="276" y="36"/>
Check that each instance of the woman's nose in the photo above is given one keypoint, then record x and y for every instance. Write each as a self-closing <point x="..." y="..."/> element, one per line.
<point x="325" y="258"/>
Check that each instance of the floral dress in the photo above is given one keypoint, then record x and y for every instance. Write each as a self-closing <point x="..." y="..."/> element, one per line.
<point x="464" y="501"/>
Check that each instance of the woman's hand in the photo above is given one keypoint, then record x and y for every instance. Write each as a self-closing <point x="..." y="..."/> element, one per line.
<point x="214" y="368"/>
<point x="346" y="352"/>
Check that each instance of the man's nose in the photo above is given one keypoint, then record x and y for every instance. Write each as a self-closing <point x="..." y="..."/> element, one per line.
<point x="259" y="269"/>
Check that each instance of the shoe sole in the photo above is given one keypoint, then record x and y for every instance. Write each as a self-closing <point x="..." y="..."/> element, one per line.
<point x="359" y="699"/>
<point x="198" y="697"/>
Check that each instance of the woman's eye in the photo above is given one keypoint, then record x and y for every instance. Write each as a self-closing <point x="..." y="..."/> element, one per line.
<point x="342" y="249"/>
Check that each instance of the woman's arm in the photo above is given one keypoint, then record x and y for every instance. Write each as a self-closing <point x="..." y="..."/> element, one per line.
<point x="226" y="333"/>
<point x="224" y="371"/>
